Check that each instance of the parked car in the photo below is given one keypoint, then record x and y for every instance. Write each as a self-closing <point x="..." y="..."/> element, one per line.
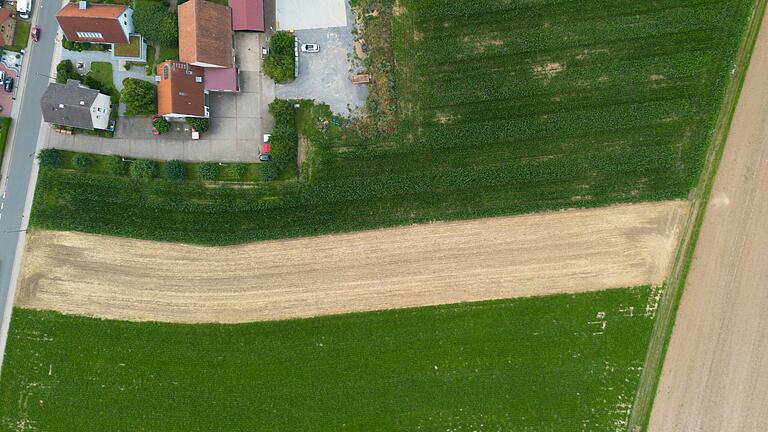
<point x="36" y="34"/>
<point x="8" y="84"/>
<point x="264" y="155"/>
<point x="2" y="76"/>
<point x="111" y="127"/>
<point x="310" y="48"/>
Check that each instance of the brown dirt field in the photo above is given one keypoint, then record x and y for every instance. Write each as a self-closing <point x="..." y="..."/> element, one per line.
<point x="576" y="250"/>
<point x="715" y="375"/>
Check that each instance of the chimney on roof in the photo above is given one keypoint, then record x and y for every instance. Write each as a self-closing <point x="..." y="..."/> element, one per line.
<point x="83" y="5"/>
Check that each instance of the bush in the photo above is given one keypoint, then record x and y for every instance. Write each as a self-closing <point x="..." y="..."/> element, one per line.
<point x="156" y="23"/>
<point x="63" y="71"/>
<point x="174" y="170"/>
<point x="82" y="161"/>
<point x="74" y="76"/>
<point x="92" y="83"/>
<point x="280" y="62"/>
<point x="282" y="111"/>
<point x="268" y="171"/>
<point x="139" y="97"/>
<point x="142" y="169"/>
<point x="284" y="137"/>
<point x="199" y="124"/>
<point x="161" y="124"/>
<point x="49" y="158"/>
<point x="115" y="165"/>
<point x="208" y="171"/>
<point x="238" y="170"/>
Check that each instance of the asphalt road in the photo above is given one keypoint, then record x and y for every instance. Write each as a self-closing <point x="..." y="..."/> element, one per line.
<point x="715" y="375"/>
<point x="22" y="148"/>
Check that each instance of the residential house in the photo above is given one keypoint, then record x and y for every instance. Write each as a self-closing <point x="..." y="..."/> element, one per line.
<point x="205" y="34"/>
<point x="7" y="27"/>
<point x="181" y="90"/>
<point x="75" y="105"/>
<point x="247" y="15"/>
<point x="96" y="23"/>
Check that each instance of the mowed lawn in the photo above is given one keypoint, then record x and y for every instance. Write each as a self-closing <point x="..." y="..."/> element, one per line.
<point x="504" y="108"/>
<point x="559" y="363"/>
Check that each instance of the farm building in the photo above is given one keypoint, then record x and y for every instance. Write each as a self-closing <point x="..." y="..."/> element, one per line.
<point x="247" y="15"/>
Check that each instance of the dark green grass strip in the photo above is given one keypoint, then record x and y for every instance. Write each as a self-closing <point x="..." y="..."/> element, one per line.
<point x="546" y="363"/>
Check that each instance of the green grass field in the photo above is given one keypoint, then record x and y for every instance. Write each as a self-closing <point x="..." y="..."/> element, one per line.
<point x="5" y="128"/>
<point x="102" y="72"/>
<point x="503" y="108"/>
<point x="558" y="363"/>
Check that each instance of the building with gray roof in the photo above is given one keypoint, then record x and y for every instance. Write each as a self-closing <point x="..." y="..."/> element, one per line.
<point x="75" y="105"/>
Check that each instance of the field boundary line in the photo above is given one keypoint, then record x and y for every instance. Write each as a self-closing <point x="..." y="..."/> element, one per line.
<point x="698" y="198"/>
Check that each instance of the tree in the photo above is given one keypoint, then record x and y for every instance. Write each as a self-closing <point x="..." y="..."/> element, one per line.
<point x="82" y="161"/>
<point x="115" y="165"/>
<point x="63" y="71"/>
<point x="208" y="171"/>
<point x="199" y="124"/>
<point x="282" y="111"/>
<point x="238" y="171"/>
<point x="174" y="170"/>
<point x="139" y="97"/>
<point x="156" y="23"/>
<point x="142" y="169"/>
<point x="268" y="171"/>
<point x="92" y="83"/>
<point x="161" y="125"/>
<point x="49" y="158"/>
<point x="280" y="62"/>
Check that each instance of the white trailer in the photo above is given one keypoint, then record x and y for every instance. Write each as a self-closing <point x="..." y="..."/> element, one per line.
<point x="24" y="8"/>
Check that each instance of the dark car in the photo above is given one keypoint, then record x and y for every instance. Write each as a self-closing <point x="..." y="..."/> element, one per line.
<point x="8" y="84"/>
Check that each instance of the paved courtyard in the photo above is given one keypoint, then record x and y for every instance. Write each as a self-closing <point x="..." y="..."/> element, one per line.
<point x="237" y="121"/>
<point x="326" y="76"/>
<point x="310" y="14"/>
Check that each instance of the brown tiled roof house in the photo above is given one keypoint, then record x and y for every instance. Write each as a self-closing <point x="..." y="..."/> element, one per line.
<point x="97" y="23"/>
<point x="205" y="34"/>
<point x="7" y="27"/>
<point x="181" y="91"/>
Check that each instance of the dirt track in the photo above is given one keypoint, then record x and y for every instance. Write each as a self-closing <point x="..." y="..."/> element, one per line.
<point x="715" y="375"/>
<point x="438" y="263"/>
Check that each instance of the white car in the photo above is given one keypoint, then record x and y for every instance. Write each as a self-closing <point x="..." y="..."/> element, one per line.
<point x="310" y="48"/>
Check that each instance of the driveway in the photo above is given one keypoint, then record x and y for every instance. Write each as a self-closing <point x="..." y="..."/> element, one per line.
<point x="327" y="76"/>
<point x="6" y="98"/>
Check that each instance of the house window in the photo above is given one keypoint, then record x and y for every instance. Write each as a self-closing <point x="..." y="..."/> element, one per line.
<point x="90" y="35"/>
<point x="165" y="72"/>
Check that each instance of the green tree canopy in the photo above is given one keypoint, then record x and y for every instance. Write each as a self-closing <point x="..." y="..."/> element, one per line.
<point x="139" y="97"/>
<point x="156" y="23"/>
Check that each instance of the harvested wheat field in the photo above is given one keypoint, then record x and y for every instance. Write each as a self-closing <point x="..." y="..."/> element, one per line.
<point x="122" y="278"/>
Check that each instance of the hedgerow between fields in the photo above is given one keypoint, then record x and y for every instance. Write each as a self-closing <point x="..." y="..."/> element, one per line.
<point x="559" y="363"/>
<point x="502" y="108"/>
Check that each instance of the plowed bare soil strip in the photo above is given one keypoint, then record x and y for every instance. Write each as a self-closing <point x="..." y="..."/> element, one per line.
<point x="576" y="250"/>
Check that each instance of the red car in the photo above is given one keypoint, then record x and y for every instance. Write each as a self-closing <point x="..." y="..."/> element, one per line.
<point x="154" y="130"/>
<point x="36" y="33"/>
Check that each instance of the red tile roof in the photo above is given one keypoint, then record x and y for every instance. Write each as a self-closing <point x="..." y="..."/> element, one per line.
<point x="220" y="79"/>
<point x="181" y="90"/>
<point x="96" y="18"/>
<point x="205" y="34"/>
<point x="247" y="14"/>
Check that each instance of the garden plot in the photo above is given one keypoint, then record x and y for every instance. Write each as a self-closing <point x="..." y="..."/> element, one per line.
<point x="579" y="250"/>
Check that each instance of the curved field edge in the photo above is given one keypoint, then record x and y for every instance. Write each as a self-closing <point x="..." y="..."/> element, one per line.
<point x="503" y="109"/>
<point x="699" y="198"/>
<point x="551" y="363"/>
<point x="419" y="265"/>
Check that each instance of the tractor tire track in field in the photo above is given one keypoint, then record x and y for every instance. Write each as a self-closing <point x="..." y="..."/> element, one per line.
<point x="567" y="251"/>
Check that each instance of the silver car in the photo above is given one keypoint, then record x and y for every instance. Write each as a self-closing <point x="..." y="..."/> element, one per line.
<point x="310" y="48"/>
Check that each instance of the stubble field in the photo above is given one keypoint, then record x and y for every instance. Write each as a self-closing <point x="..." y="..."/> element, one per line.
<point x="571" y="251"/>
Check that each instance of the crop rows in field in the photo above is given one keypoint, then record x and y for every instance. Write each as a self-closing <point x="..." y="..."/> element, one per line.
<point x="559" y="363"/>
<point x="505" y="107"/>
